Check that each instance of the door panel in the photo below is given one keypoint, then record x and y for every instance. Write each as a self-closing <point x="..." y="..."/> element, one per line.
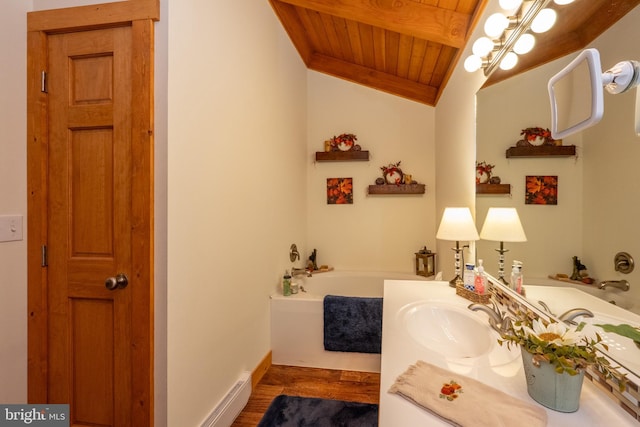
<point x="89" y="225"/>
<point x="89" y="148"/>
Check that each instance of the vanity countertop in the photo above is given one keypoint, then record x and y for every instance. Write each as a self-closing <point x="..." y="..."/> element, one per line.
<point x="399" y="351"/>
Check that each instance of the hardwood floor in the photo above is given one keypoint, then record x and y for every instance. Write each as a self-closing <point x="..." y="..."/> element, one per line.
<point x="308" y="382"/>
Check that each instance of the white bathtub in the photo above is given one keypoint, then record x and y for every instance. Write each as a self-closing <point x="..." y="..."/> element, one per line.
<point x="297" y="320"/>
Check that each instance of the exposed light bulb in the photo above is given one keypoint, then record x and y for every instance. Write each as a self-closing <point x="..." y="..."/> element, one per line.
<point x="544" y="21"/>
<point x="513" y="4"/>
<point x="472" y="63"/>
<point x="482" y="46"/>
<point x="524" y="44"/>
<point x="562" y="2"/>
<point x="509" y="61"/>
<point x="495" y="25"/>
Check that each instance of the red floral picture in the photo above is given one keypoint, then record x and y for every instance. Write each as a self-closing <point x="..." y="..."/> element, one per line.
<point x="340" y="191"/>
<point x="541" y="190"/>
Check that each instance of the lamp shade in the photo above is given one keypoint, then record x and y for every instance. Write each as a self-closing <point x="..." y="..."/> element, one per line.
<point x="457" y="224"/>
<point x="503" y="225"/>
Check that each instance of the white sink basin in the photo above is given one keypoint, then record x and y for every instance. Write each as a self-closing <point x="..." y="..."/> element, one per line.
<point x="450" y="330"/>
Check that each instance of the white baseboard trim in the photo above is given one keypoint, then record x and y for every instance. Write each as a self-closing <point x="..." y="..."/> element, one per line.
<point x="231" y="404"/>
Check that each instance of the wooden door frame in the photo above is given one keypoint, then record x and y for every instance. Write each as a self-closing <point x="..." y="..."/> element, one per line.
<point x="140" y="15"/>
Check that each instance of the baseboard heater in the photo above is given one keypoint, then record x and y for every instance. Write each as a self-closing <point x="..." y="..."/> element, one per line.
<point x="231" y="404"/>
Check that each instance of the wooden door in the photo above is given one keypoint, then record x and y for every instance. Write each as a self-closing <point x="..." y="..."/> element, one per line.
<point x="90" y="225"/>
<point x="91" y="220"/>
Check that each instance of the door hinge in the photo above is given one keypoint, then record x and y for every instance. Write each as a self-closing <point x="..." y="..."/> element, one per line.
<point x="45" y="256"/>
<point x="43" y="82"/>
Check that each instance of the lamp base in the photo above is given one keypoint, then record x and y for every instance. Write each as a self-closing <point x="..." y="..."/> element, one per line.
<point x="454" y="282"/>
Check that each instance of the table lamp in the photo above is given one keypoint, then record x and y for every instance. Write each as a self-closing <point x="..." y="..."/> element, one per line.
<point x="502" y="225"/>
<point x="456" y="225"/>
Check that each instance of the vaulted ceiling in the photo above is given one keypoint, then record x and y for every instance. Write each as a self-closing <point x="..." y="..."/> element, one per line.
<point x="409" y="48"/>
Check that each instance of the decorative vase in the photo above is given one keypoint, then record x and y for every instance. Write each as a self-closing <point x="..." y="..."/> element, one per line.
<point x="560" y="392"/>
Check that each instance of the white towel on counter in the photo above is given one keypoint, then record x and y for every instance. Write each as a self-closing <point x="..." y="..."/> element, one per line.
<point x="464" y="401"/>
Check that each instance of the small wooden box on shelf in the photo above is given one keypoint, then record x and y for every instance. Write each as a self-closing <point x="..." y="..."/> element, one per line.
<point x="426" y="264"/>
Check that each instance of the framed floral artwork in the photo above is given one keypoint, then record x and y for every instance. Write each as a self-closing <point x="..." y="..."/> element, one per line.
<point x="339" y="191"/>
<point x="541" y="190"/>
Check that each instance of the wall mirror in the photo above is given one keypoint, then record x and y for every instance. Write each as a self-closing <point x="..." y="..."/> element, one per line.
<point x="597" y="210"/>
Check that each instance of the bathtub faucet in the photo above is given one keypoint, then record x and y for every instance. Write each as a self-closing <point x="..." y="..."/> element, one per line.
<point x="299" y="271"/>
<point x="620" y="284"/>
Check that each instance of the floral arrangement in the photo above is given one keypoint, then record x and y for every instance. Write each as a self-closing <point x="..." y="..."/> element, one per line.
<point x="531" y="134"/>
<point x="392" y="173"/>
<point x="483" y="172"/>
<point x="484" y="167"/>
<point x="342" y="141"/>
<point x="562" y="346"/>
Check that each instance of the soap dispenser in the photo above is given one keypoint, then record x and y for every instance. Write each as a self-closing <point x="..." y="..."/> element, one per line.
<point x="516" y="277"/>
<point x="480" y="279"/>
<point x="286" y="284"/>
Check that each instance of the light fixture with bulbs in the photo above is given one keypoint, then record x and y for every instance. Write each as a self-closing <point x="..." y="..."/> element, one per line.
<point x="507" y="34"/>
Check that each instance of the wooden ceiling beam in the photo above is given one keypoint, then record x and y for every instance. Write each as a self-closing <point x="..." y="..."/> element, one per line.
<point x="405" y="17"/>
<point x="379" y="80"/>
<point x="297" y="33"/>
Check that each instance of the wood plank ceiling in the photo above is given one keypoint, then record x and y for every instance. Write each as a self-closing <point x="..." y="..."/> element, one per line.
<point x="409" y="48"/>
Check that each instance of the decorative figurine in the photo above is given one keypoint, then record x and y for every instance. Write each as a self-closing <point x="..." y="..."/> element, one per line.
<point x="312" y="260"/>
<point x="579" y="270"/>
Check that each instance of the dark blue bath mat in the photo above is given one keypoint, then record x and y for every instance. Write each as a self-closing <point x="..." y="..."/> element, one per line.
<point x="294" y="411"/>
<point x="352" y="324"/>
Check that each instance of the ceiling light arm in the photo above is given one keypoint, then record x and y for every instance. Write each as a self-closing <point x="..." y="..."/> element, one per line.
<point x="521" y="28"/>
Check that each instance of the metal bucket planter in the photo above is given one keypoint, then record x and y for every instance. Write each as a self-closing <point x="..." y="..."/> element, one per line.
<point x="560" y="392"/>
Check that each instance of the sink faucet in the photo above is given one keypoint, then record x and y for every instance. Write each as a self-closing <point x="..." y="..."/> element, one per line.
<point x="300" y="271"/>
<point x="620" y="284"/>
<point x="500" y="323"/>
<point x="569" y="315"/>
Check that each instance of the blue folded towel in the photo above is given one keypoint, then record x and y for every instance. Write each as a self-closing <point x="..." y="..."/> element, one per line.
<point x="352" y="324"/>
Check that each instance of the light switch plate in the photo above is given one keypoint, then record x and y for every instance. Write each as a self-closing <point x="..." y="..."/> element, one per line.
<point x="10" y="228"/>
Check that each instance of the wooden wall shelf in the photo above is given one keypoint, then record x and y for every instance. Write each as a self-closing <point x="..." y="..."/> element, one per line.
<point x="341" y="156"/>
<point x="542" y="151"/>
<point x="493" y="188"/>
<point x="397" y="189"/>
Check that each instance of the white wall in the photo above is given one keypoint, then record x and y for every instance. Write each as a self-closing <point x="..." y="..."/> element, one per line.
<point x="236" y="191"/>
<point x="13" y="200"/>
<point x="456" y="148"/>
<point x="611" y="174"/>
<point x="376" y="232"/>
